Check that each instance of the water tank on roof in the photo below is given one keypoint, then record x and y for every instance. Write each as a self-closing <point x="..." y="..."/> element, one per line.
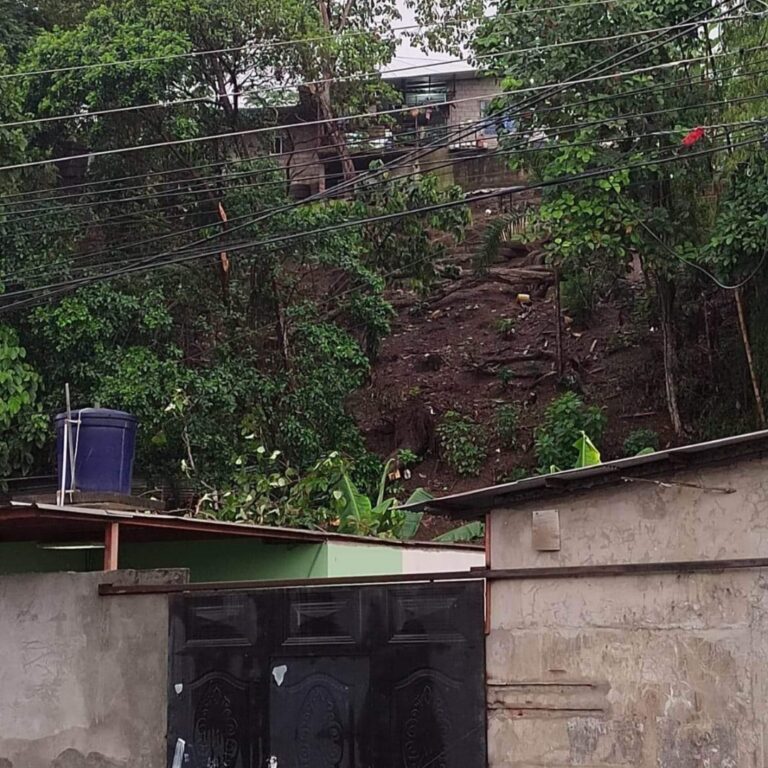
<point x="104" y="443"/>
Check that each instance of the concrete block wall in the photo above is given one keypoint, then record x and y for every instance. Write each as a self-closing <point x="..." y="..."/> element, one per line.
<point x="650" y="671"/>
<point x="476" y="90"/>
<point x="82" y="678"/>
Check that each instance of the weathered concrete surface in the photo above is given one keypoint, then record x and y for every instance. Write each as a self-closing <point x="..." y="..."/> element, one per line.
<point x="655" y="671"/>
<point x="82" y="678"/>
<point x="647" y="521"/>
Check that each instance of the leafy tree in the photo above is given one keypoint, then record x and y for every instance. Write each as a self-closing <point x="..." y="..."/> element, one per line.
<point x="22" y="423"/>
<point x="268" y="340"/>
<point x="615" y="128"/>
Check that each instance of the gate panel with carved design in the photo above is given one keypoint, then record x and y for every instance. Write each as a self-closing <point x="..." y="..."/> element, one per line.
<point x="348" y="677"/>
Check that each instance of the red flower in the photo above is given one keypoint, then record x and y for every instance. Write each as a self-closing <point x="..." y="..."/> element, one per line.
<point x="693" y="137"/>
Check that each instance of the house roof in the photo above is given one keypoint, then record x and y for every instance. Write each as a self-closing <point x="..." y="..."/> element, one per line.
<point x="473" y="503"/>
<point x="21" y="521"/>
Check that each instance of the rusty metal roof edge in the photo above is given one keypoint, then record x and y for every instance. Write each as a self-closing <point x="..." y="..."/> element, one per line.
<point x="571" y="479"/>
<point x="220" y="527"/>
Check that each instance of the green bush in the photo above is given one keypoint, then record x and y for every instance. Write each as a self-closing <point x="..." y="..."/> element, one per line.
<point x="515" y="474"/>
<point x="564" y="421"/>
<point x="463" y="443"/>
<point x="641" y="440"/>
<point x="507" y="423"/>
<point x="505" y="326"/>
<point x="407" y="457"/>
<point x="579" y="295"/>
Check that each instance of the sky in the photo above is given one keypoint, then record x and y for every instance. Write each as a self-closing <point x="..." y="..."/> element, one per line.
<point x="410" y="57"/>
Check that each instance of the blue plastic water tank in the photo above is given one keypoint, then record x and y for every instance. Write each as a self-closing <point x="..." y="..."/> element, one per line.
<point x="105" y="441"/>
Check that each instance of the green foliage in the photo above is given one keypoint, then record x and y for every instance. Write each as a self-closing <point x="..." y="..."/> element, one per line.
<point x="604" y="136"/>
<point x="505" y="326"/>
<point x="465" y="533"/>
<point x="407" y="457"/>
<point x="266" y="490"/>
<point x="500" y="231"/>
<point x="506" y="376"/>
<point x="588" y="453"/>
<point x="22" y="423"/>
<point x="739" y="238"/>
<point x="273" y="345"/>
<point x="580" y="293"/>
<point x="507" y="424"/>
<point x="406" y="247"/>
<point x="516" y="474"/>
<point x="463" y="443"/>
<point x="639" y="440"/>
<point x="557" y="440"/>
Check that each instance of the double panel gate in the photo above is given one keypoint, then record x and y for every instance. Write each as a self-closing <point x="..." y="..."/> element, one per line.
<point x="386" y="676"/>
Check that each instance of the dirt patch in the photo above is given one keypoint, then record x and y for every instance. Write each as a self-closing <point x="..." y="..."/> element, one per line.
<point x="477" y="348"/>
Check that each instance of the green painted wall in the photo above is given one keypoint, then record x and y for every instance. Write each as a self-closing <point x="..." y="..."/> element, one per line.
<point x="235" y="559"/>
<point x="362" y="560"/>
<point x="219" y="560"/>
<point x="231" y="559"/>
<point x="26" y="557"/>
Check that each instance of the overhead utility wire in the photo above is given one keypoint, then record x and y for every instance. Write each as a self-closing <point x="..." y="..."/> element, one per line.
<point x="214" y="97"/>
<point x="368" y="115"/>
<point x="87" y="258"/>
<point x="346" y="118"/>
<point x="400" y="135"/>
<point x="557" y="132"/>
<point x="182" y="170"/>
<point x="34" y="213"/>
<point x="606" y="63"/>
<point x="295" y="41"/>
<point x="231" y="248"/>
<point x="722" y="76"/>
<point x="264" y="213"/>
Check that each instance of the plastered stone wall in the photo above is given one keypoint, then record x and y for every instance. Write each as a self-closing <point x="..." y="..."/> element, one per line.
<point x="82" y="677"/>
<point x="653" y="671"/>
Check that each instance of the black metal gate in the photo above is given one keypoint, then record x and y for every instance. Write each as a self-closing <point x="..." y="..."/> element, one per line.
<point x="386" y="676"/>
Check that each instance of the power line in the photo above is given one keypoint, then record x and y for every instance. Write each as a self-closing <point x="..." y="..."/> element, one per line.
<point x="605" y="63"/>
<point x="231" y="248"/>
<point x="179" y="192"/>
<point x="558" y="130"/>
<point x="735" y="74"/>
<point x="296" y="41"/>
<point x="367" y="115"/>
<point x="508" y="151"/>
<point x="89" y="256"/>
<point x="214" y="97"/>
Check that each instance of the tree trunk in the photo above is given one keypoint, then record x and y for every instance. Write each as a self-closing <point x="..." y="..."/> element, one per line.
<point x="559" y="325"/>
<point x="282" y="326"/>
<point x="323" y="95"/>
<point x="750" y="359"/>
<point x="665" y="292"/>
<point x="323" y="92"/>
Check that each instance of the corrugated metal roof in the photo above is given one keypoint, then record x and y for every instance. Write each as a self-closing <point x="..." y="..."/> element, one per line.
<point x="470" y="503"/>
<point x="21" y="521"/>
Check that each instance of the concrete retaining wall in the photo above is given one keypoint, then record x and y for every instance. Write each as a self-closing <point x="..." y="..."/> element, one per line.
<point x="652" y="671"/>
<point x="82" y="678"/>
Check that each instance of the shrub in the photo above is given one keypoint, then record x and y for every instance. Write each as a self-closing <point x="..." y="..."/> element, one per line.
<point x="463" y="443"/>
<point x="641" y="440"/>
<point x="505" y="377"/>
<point x="564" y="421"/>
<point x="507" y="422"/>
<point x="579" y="295"/>
<point x="407" y="457"/>
<point x="505" y="326"/>
<point x="515" y="474"/>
